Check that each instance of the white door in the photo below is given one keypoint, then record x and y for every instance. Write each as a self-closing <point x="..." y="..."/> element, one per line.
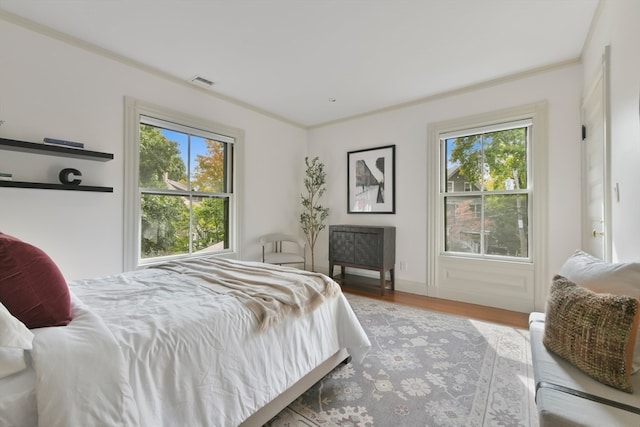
<point x="596" y="230"/>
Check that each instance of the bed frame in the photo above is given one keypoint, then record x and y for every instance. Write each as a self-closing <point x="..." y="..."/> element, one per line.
<point x="271" y="409"/>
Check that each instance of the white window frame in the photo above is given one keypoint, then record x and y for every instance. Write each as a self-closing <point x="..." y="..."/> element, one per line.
<point x="507" y="283"/>
<point x="134" y="111"/>
<point x="481" y="194"/>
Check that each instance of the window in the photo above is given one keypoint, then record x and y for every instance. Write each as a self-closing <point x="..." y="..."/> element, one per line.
<point x="181" y="186"/>
<point x="185" y="188"/>
<point x="489" y="245"/>
<point x="491" y="216"/>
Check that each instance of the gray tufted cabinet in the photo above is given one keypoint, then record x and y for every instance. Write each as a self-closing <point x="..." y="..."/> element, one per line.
<point x="365" y="247"/>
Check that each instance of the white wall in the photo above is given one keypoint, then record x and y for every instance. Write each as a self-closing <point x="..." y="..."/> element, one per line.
<point x="407" y="129"/>
<point x="617" y="26"/>
<point x="51" y="88"/>
<point x="56" y="89"/>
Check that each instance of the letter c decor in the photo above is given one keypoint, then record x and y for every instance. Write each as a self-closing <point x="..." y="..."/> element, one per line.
<point x="70" y="172"/>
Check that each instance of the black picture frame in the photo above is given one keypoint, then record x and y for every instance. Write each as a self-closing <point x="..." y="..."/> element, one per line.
<point x="371" y="186"/>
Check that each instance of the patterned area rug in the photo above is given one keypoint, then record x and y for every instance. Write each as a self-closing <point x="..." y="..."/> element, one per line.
<point x="423" y="369"/>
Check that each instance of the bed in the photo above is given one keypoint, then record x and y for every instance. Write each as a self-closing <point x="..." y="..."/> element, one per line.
<point x="201" y="342"/>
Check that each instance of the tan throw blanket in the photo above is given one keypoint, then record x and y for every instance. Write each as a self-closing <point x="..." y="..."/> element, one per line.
<point x="271" y="292"/>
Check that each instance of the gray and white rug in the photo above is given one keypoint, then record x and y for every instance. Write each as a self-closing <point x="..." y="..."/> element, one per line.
<point x="424" y="369"/>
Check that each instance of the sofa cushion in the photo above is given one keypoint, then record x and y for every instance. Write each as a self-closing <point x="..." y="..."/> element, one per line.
<point x="595" y="332"/>
<point x="32" y="287"/>
<point x="620" y="278"/>
<point x="560" y="409"/>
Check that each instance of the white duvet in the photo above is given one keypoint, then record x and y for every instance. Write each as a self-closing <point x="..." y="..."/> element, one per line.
<point x="155" y="348"/>
<point x="81" y="375"/>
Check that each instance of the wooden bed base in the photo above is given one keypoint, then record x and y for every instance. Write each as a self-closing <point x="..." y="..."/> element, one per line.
<point x="271" y="409"/>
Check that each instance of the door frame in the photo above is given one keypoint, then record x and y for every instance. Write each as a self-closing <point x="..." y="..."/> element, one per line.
<point x="587" y="231"/>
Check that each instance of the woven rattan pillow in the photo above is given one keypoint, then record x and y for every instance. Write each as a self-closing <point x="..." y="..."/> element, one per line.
<point x="595" y="332"/>
<point x="620" y="278"/>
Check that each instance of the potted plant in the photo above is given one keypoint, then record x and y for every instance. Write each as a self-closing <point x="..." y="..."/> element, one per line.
<point x="313" y="214"/>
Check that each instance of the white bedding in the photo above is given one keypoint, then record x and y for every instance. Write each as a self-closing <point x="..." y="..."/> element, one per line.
<point x="81" y="375"/>
<point x="184" y="351"/>
<point x="18" y="398"/>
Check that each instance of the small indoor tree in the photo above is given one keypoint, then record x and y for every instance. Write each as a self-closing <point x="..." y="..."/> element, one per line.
<point x="313" y="214"/>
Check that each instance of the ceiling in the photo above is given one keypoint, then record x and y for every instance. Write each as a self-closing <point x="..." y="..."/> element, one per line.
<point x="316" y="61"/>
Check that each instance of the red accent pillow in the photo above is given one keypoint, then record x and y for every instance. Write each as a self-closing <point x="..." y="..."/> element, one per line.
<point x="32" y="287"/>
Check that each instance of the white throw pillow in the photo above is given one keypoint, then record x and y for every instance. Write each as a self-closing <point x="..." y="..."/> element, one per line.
<point x="14" y="339"/>
<point x="622" y="278"/>
<point x="13" y="333"/>
<point x="11" y="361"/>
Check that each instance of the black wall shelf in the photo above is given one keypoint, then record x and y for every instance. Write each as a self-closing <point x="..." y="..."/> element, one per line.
<point x="59" y="151"/>
<point x="46" y="186"/>
<point x="53" y="150"/>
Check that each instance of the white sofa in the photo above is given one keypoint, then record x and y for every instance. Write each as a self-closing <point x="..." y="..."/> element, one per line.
<point x="565" y="394"/>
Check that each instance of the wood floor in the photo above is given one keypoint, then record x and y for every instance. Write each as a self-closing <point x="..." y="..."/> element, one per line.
<point x="474" y="311"/>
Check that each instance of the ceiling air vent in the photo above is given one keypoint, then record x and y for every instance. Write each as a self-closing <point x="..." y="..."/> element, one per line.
<point x="201" y="81"/>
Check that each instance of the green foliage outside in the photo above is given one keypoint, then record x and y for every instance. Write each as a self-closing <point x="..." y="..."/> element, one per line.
<point x="495" y="161"/>
<point x="502" y="154"/>
<point x="313" y="214"/>
<point x="167" y="227"/>
<point x="158" y="155"/>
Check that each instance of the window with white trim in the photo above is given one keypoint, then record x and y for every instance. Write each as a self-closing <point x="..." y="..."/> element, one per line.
<point x="181" y="186"/>
<point x="491" y="216"/>
<point x="185" y="188"/>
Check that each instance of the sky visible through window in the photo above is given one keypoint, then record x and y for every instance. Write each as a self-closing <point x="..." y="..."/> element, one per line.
<point x="451" y="143"/>
<point x="450" y="146"/>
<point x="198" y="147"/>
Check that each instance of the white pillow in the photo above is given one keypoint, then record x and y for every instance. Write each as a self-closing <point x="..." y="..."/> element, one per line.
<point x="13" y="333"/>
<point x="14" y="339"/>
<point x="622" y="278"/>
<point x="11" y="361"/>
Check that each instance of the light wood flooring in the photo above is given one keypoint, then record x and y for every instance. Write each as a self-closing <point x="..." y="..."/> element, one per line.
<point x="474" y="311"/>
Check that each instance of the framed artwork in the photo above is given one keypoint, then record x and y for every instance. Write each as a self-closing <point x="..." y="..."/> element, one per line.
<point x="371" y="180"/>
